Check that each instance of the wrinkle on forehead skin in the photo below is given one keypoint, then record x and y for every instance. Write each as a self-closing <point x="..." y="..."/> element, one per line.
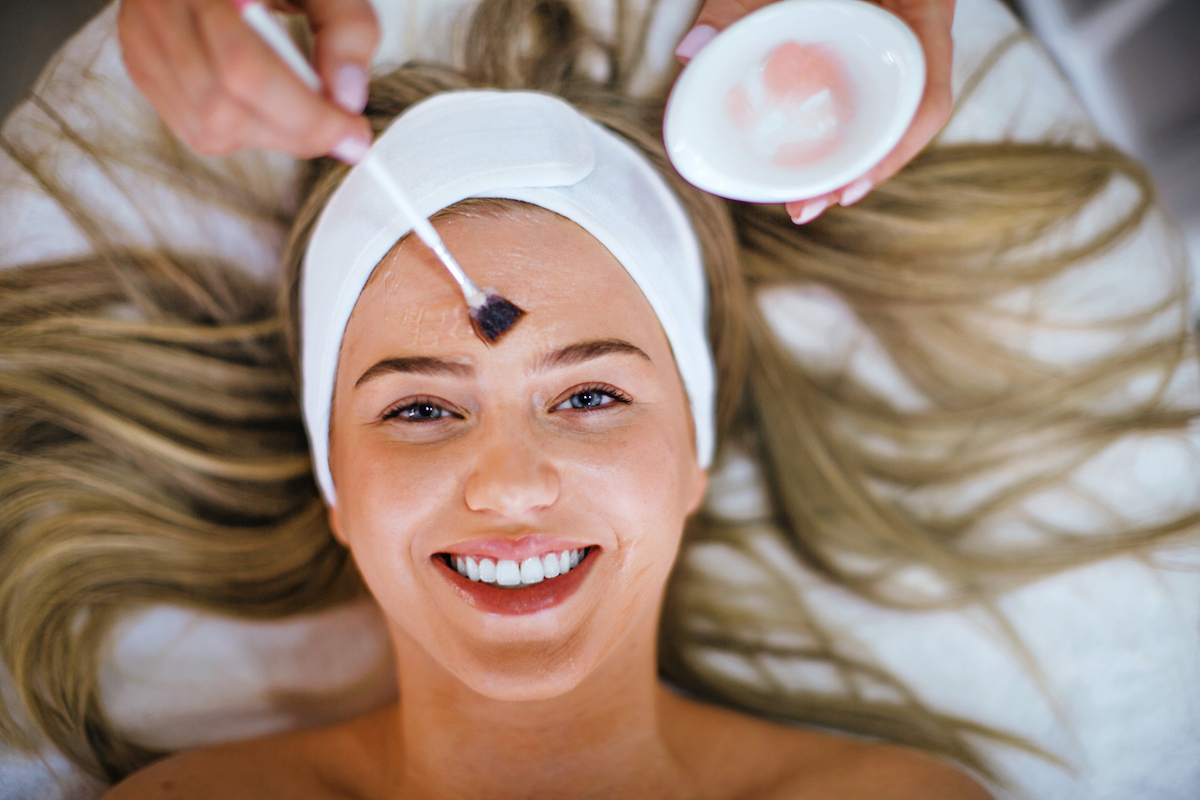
<point x="430" y="323"/>
<point x="473" y="208"/>
<point x="433" y="324"/>
<point x="426" y="321"/>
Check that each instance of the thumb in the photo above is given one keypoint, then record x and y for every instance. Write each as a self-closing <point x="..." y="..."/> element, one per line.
<point x="714" y="17"/>
<point x="345" y="35"/>
<point x="720" y="14"/>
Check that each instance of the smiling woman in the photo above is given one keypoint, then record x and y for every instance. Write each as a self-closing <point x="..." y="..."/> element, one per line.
<point x="572" y="434"/>
<point x="518" y="510"/>
<point x="576" y="445"/>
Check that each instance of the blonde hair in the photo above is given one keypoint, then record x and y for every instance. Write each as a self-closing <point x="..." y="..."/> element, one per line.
<point x="158" y="457"/>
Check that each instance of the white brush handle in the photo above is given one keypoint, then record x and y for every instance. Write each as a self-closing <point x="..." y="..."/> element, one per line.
<point x="260" y="20"/>
<point x="263" y="23"/>
<point x="423" y="228"/>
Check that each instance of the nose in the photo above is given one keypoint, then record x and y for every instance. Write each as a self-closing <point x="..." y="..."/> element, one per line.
<point x="511" y="475"/>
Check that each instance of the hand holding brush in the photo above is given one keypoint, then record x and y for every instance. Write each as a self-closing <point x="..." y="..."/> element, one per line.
<point x="491" y="315"/>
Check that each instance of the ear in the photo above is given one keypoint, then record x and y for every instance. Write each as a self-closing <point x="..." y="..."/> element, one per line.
<point x="335" y="524"/>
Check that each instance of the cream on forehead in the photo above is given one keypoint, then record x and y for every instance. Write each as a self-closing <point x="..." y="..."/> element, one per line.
<point x="522" y="146"/>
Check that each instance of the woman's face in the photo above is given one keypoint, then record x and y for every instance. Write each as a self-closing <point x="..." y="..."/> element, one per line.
<point x="572" y="433"/>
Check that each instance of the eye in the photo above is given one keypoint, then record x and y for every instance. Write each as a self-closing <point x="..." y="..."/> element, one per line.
<point x="592" y="397"/>
<point x="420" y="410"/>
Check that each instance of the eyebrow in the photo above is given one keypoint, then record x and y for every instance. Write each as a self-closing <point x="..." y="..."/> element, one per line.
<point x="567" y="356"/>
<point x="416" y="365"/>
<point x="585" y="351"/>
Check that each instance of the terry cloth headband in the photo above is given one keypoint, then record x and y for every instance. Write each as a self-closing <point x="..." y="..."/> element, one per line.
<point x="522" y="146"/>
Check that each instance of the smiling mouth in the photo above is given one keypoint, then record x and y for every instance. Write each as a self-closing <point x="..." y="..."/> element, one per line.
<point x="506" y="587"/>
<point x="509" y="574"/>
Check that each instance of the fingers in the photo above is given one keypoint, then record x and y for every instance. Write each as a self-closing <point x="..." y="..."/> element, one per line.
<point x="163" y="56"/>
<point x="346" y="33"/>
<point x="284" y="114"/>
<point x="720" y="14"/>
<point x="714" y="16"/>
<point x="805" y="211"/>
<point x="931" y="21"/>
<point x="221" y="89"/>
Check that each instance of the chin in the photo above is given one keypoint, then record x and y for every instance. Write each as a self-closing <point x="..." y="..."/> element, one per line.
<point x="528" y="675"/>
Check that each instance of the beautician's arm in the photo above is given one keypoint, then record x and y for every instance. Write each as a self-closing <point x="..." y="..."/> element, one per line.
<point x="929" y="19"/>
<point x="221" y="89"/>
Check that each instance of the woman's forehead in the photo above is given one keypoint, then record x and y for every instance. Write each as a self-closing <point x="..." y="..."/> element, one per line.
<point x="567" y="281"/>
<point x="472" y="208"/>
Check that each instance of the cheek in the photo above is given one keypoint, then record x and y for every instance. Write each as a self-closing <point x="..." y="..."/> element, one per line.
<point x="386" y="497"/>
<point x="642" y="486"/>
<point x="643" y="467"/>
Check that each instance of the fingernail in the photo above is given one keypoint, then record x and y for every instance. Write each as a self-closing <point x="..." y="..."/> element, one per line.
<point x="811" y="210"/>
<point x="695" y="40"/>
<point x="350" y="150"/>
<point x="350" y="88"/>
<point x="856" y="191"/>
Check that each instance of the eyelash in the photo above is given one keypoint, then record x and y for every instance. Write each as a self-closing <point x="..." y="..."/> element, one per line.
<point x="599" y="388"/>
<point x="395" y="412"/>
<point x="408" y="405"/>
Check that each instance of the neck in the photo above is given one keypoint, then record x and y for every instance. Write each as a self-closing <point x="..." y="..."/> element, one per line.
<point x="606" y="734"/>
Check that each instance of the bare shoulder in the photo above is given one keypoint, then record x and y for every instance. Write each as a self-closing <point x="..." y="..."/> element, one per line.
<point x="255" y="769"/>
<point x="309" y="764"/>
<point x="834" y="766"/>
<point x="890" y="772"/>
<point x="784" y="762"/>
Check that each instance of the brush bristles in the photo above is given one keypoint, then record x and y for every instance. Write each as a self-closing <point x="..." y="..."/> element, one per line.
<point x="493" y="319"/>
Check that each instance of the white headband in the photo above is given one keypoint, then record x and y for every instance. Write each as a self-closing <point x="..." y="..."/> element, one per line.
<point x="521" y="146"/>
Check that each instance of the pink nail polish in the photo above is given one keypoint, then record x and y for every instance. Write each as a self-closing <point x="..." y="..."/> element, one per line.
<point x="856" y="191"/>
<point x="695" y="40"/>
<point x="811" y="211"/>
<point x="350" y="150"/>
<point x="350" y="88"/>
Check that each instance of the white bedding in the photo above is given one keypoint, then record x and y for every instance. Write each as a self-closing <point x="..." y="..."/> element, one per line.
<point x="1116" y="641"/>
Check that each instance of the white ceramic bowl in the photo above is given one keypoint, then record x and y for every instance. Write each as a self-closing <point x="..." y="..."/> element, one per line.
<point x="882" y="62"/>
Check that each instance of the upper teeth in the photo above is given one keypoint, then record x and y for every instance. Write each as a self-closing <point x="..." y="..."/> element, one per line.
<point x="507" y="572"/>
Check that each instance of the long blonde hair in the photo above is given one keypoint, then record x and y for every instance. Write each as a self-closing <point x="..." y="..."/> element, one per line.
<point x="151" y="449"/>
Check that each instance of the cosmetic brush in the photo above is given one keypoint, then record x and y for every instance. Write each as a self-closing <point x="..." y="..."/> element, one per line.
<point x="491" y="315"/>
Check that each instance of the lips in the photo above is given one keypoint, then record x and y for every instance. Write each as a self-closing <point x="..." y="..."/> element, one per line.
<point x="523" y="588"/>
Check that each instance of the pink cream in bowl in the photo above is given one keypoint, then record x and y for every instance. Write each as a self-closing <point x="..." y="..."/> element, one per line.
<point x="796" y="99"/>
<point x="794" y="108"/>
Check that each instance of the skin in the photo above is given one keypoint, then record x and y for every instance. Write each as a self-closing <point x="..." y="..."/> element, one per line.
<point x="221" y="90"/>
<point x="566" y="701"/>
<point x="931" y="21"/>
